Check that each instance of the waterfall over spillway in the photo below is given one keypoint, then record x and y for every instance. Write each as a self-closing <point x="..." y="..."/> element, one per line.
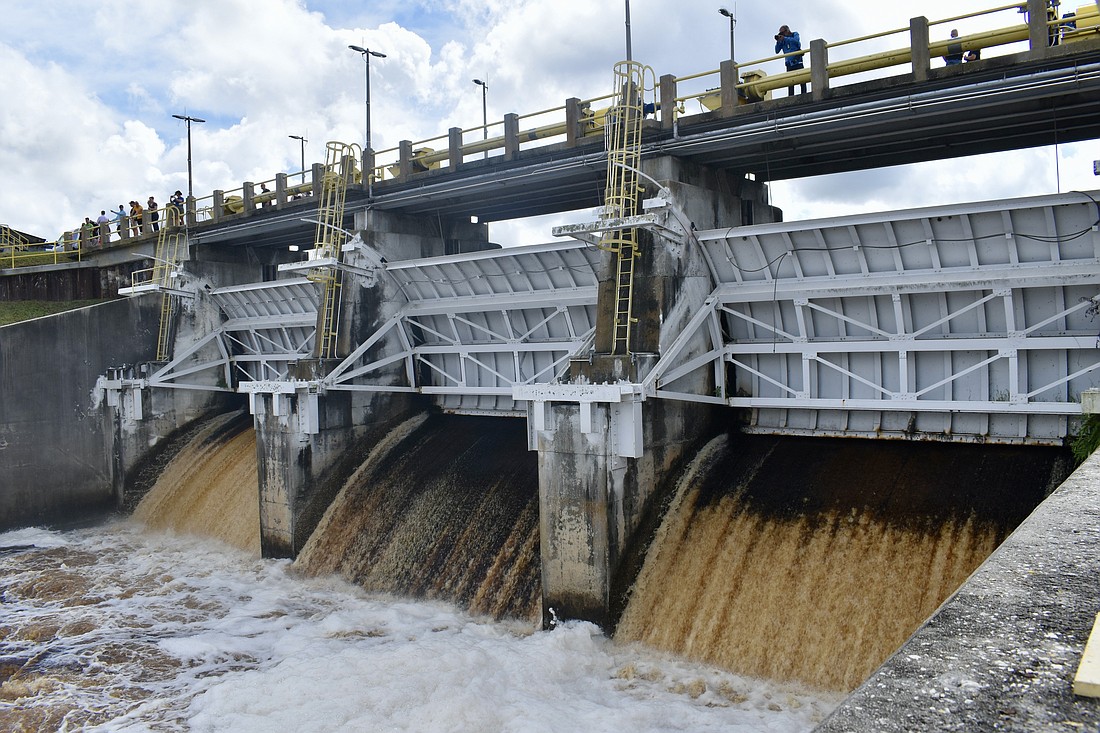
<point x="814" y="559"/>
<point x="793" y="559"/>
<point x="446" y="508"/>
<point x="209" y="487"/>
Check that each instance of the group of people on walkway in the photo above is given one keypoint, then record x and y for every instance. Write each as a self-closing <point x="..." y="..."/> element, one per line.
<point x="137" y="221"/>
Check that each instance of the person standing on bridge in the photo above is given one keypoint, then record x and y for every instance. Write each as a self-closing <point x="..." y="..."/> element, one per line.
<point x="137" y="226"/>
<point x="154" y="216"/>
<point x="120" y="220"/>
<point x="104" y="227"/>
<point x="954" y="51"/>
<point x="787" y="42"/>
<point x="175" y="202"/>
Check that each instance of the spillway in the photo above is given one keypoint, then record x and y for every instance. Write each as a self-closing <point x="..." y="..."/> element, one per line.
<point x="793" y="559"/>
<point x="813" y="559"/>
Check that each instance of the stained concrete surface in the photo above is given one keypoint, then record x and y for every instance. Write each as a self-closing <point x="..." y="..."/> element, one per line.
<point x="1001" y="653"/>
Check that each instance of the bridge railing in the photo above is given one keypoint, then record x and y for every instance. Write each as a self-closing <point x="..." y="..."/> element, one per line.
<point x="730" y="86"/>
<point x="723" y="92"/>
<point x="25" y="253"/>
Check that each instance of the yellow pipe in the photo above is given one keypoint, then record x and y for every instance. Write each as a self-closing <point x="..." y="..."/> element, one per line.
<point x="884" y="59"/>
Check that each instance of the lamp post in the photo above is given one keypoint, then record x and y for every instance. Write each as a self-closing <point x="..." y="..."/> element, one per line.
<point x="628" y="31"/>
<point x="484" y="115"/>
<point x="368" y="153"/>
<point x="733" y="24"/>
<point x="188" y="119"/>
<point x="303" y="141"/>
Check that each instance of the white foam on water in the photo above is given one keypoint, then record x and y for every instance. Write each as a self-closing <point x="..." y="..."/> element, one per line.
<point x="201" y="637"/>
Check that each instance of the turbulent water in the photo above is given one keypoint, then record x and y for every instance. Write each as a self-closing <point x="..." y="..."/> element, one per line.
<point x="446" y="508"/>
<point x="209" y="488"/>
<point x="118" y="628"/>
<point x="803" y="562"/>
<point x="813" y="559"/>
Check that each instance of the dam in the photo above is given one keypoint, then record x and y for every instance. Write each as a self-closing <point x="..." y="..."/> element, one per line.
<point x="688" y="422"/>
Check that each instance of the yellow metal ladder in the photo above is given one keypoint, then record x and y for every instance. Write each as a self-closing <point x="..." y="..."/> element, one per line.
<point x="339" y="169"/>
<point x="624" y="141"/>
<point x="165" y="263"/>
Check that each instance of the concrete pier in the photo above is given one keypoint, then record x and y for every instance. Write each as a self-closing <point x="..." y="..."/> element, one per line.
<point x="1001" y="653"/>
<point x="605" y="453"/>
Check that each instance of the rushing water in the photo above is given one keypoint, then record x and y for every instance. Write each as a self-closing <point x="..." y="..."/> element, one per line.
<point x="814" y="560"/>
<point x="120" y="628"/>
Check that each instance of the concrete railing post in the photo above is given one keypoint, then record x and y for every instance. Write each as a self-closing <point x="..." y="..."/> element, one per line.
<point x="573" y="123"/>
<point x="404" y="159"/>
<point x="511" y="136"/>
<point x="454" y="148"/>
<point x="918" y="45"/>
<point x="318" y="174"/>
<point x="217" y="209"/>
<point x="280" y="190"/>
<point x="668" y="102"/>
<point x="192" y="215"/>
<point x="727" y="72"/>
<point x="1037" y="30"/>
<point x="819" y="68"/>
<point x="248" y="196"/>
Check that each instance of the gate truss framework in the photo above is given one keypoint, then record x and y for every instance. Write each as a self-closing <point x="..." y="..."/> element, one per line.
<point x="473" y="326"/>
<point x="969" y="322"/>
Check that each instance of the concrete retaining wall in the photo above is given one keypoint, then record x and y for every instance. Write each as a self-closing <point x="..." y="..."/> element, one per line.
<point x="68" y="283"/>
<point x="53" y="461"/>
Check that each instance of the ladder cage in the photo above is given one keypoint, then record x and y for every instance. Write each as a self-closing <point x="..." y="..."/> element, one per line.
<point x="622" y="193"/>
<point x="340" y="171"/>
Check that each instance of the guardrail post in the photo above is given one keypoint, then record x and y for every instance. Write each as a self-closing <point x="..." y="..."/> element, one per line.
<point x="217" y="210"/>
<point x="573" y="130"/>
<point x="280" y="190"/>
<point x="454" y="148"/>
<point x="248" y="196"/>
<point x="404" y="159"/>
<point x="918" y="48"/>
<point x="511" y="135"/>
<point x="727" y="74"/>
<point x="318" y="174"/>
<point x="668" y="101"/>
<point x="819" y="68"/>
<point x="1037" y="30"/>
<point x="192" y="215"/>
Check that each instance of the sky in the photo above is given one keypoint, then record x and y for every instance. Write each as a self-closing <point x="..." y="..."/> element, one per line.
<point x="90" y="90"/>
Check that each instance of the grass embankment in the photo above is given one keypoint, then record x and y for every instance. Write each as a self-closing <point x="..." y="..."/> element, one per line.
<point x="24" y="310"/>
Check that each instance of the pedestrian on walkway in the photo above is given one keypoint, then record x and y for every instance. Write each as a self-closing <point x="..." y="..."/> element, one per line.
<point x="787" y="42"/>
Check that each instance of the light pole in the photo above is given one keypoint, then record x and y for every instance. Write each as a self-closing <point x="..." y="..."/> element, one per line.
<point x="303" y="141"/>
<point x="628" y="31"/>
<point x="189" y="120"/>
<point x="484" y="115"/>
<point x="733" y="24"/>
<point x="368" y="153"/>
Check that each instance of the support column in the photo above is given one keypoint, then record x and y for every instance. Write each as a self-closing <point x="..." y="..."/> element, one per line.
<point x="608" y="452"/>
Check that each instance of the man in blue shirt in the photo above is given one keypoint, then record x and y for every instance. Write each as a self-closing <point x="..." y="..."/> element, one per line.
<point x="787" y="42"/>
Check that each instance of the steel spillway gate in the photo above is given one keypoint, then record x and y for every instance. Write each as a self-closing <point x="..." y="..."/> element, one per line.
<point x="974" y="322"/>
